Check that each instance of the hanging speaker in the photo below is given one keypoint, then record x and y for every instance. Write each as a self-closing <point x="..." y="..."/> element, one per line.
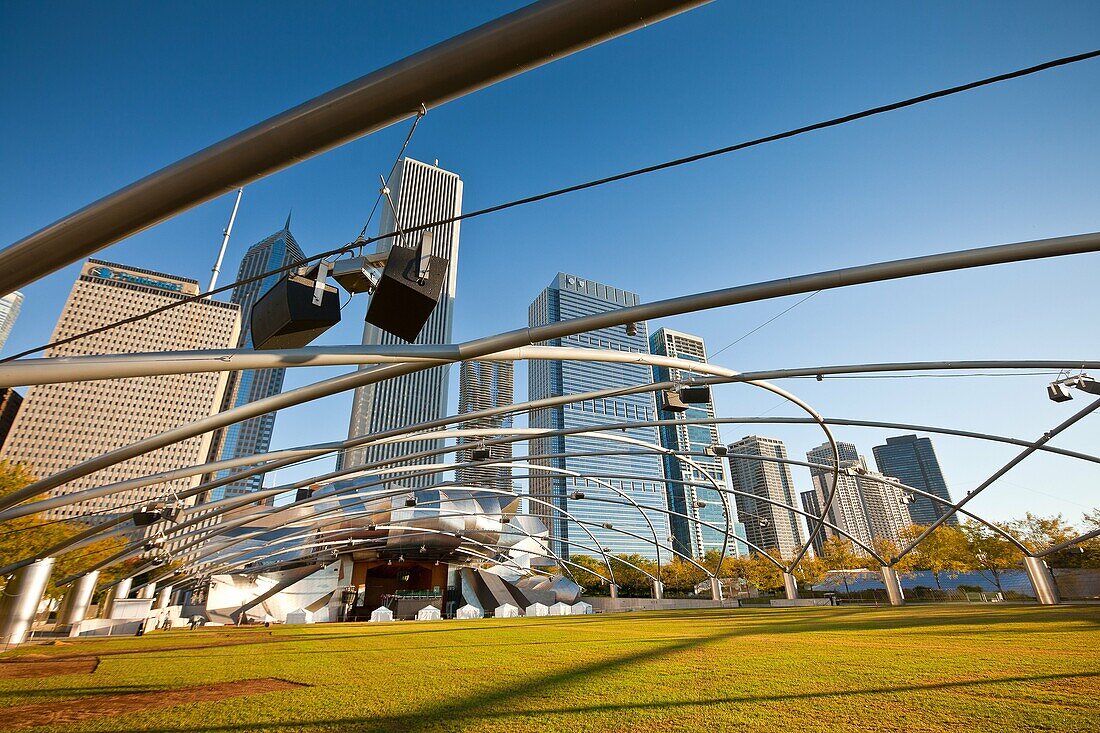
<point x="671" y="402"/>
<point x="286" y="318"/>
<point x="408" y="290"/>
<point x="695" y="395"/>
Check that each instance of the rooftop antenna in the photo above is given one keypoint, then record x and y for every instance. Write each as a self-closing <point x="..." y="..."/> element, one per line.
<point x="225" y="241"/>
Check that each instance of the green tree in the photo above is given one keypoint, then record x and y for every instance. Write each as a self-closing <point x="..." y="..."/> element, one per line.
<point x="30" y="536"/>
<point x="811" y="571"/>
<point x="838" y="555"/>
<point x="762" y="573"/>
<point x="990" y="553"/>
<point x="943" y="552"/>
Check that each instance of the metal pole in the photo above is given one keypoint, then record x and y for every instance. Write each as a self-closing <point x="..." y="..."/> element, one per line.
<point x="21" y="598"/>
<point x="121" y="589"/>
<point x="614" y="589"/>
<point x="658" y="589"/>
<point x="715" y="589"/>
<point x="1046" y="592"/>
<point x="893" y="586"/>
<point x="522" y="40"/>
<point x="79" y="596"/>
<point x="790" y="586"/>
<point x="225" y="241"/>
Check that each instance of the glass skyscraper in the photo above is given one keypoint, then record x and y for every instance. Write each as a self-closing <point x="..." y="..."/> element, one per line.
<point x="254" y="435"/>
<point x="422" y="194"/>
<point x="697" y="502"/>
<point x="569" y="297"/>
<point x="912" y="461"/>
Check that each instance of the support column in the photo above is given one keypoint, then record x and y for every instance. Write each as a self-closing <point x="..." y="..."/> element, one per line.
<point x="74" y="607"/>
<point x="1046" y="592"/>
<point x="149" y="590"/>
<point x="715" y="589"/>
<point x="658" y="589"/>
<point x="121" y="590"/>
<point x="164" y="597"/>
<point x="614" y="590"/>
<point x="893" y="586"/>
<point x="790" y="585"/>
<point x="21" y="598"/>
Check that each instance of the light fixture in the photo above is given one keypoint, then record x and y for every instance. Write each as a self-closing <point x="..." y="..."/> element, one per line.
<point x="577" y="495"/>
<point x="632" y="329"/>
<point x="411" y="501"/>
<point x="355" y="275"/>
<point x="764" y="522"/>
<point x="1058" y="390"/>
<point x="718" y="450"/>
<point x="608" y="525"/>
<point x="700" y="504"/>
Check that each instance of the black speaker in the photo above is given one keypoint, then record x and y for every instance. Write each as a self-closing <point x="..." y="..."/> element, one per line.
<point x="286" y="318"/>
<point x="479" y="454"/>
<point x="696" y="395"/>
<point x="402" y="301"/>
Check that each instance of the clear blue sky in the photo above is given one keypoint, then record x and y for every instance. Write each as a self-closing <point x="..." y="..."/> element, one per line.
<point x="98" y="94"/>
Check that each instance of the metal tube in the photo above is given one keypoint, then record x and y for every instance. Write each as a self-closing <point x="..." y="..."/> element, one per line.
<point x="790" y="586"/>
<point x="164" y="597"/>
<point x="21" y="598"/>
<point x="715" y="589"/>
<point x="658" y="589"/>
<point x="502" y="48"/>
<point x="74" y="608"/>
<point x="893" y="586"/>
<point x="1046" y="592"/>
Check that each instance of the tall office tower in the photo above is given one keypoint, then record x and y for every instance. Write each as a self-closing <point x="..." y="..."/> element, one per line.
<point x="9" y="311"/>
<point x="912" y="461"/>
<point x="605" y="517"/>
<point x="867" y="505"/>
<point x="698" y="503"/>
<point x="484" y="385"/>
<point x="61" y="425"/>
<point x="421" y="194"/>
<point x="766" y="525"/>
<point x="10" y="401"/>
<point x="252" y="436"/>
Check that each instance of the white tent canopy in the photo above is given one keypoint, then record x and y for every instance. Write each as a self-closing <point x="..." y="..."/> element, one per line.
<point x="299" y="616"/>
<point x="468" y="611"/>
<point x="581" y="608"/>
<point x="428" y="613"/>
<point x="561" y="609"/>
<point x="381" y="614"/>
<point x="538" y="609"/>
<point x="506" y="610"/>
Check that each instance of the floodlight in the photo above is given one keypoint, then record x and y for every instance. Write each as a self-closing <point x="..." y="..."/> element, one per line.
<point x="577" y="495"/>
<point x="411" y="501"/>
<point x="718" y="450"/>
<point x="607" y="525"/>
<point x="355" y="275"/>
<point x="632" y="329"/>
<point x="1058" y="392"/>
<point x="700" y="504"/>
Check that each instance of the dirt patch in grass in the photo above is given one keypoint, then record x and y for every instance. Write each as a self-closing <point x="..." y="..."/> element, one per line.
<point x="73" y="711"/>
<point x="47" y="667"/>
<point x="75" y="655"/>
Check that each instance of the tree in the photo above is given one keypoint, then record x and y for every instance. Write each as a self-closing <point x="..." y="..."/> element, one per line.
<point x="762" y="573"/>
<point x="681" y="576"/>
<point x="30" y="536"/>
<point x="943" y="552"/>
<point x="1040" y="533"/>
<point x="990" y="553"/>
<point x="811" y="571"/>
<point x="838" y="555"/>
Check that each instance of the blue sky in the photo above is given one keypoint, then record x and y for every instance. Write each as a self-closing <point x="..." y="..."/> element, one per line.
<point x="97" y="95"/>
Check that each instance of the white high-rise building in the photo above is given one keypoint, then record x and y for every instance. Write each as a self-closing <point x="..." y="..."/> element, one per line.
<point x="863" y="507"/>
<point x="421" y="194"/>
<point x="9" y="311"/>
<point x="767" y="525"/>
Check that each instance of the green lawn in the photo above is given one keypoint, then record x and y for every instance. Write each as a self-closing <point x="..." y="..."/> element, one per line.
<point x="927" y="668"/>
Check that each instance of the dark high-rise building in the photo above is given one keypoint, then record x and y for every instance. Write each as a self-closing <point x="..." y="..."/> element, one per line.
<point x="10" y="400"/>
<point x="686" y="492"/>
<point x="912" y="461"/>
<point x="484" y="385"/>
<point x="610" y="518"/>
<point x="252" y="436"/>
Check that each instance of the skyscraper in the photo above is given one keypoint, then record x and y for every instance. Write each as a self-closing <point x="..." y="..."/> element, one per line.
<point x="483" y="385"/>
<point x="766" y="525"/>
<point x="10" y="401"/>
<point x="697" y="502"/>
<point x="421" y="194"/>
<point x="252" y="436"/>
<point x="61" y="425"/>
<point x="912" y="461"/>
<point x="567" y="297"/>
<point x="863" y="507"/>
<point x="9" y="311"/>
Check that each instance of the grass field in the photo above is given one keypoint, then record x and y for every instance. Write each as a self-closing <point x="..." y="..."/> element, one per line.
<point x="930" y="668"/>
